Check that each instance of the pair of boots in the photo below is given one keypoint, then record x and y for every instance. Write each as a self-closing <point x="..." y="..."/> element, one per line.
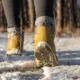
<point x="44" y="48"/>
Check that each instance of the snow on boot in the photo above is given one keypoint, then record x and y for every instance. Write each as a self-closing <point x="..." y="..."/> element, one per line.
<point x="13" y="47"/>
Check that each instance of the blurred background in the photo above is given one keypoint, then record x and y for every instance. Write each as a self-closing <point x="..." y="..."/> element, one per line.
<point x="66" y="17"/>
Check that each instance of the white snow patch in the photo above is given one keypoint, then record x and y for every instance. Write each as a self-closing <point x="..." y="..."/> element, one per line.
<point x="68" y="52"/>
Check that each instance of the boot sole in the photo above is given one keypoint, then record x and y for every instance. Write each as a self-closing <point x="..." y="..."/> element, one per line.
<point x="45" y="55"/>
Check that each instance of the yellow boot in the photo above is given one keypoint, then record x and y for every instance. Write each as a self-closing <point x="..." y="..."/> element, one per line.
<point x="13" y="47"/>
<point x="44" y="48"/>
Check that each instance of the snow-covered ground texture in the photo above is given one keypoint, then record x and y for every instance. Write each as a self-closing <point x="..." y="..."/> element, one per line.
<point x="68" y="52"/>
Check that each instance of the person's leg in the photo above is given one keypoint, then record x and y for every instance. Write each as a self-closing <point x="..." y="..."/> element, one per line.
<point x="43" y="8"/>
<point x="12" y="13"/>
<point x="44" y="34"/>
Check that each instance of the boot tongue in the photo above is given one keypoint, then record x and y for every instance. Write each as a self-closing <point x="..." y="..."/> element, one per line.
<point x="13" y="31"/>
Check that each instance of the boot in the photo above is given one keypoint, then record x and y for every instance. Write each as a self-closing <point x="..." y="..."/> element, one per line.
<point x="44" y="48"/>
<point x="13" y="47"/>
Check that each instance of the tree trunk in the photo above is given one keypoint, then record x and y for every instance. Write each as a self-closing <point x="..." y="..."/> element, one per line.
<point x="71" y="14"/>
<point x="3" y="25"/>
<point x="58" y="17"/>
<point x="31" y="15"/>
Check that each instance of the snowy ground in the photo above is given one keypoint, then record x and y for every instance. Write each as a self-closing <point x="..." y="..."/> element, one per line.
<point x="68" y="52"/>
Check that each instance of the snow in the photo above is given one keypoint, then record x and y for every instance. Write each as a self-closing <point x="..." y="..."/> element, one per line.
<point x="68" y="52"/>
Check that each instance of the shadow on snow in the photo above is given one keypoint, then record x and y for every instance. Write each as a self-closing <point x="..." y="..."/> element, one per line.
<point x="69" y="57"/>
<point x="64" y="57"/>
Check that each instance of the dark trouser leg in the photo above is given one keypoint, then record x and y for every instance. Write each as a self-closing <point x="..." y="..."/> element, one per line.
<point x="43" y="8"/>
<point x="12" y="12"/>
<point x="44" y="12"/>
